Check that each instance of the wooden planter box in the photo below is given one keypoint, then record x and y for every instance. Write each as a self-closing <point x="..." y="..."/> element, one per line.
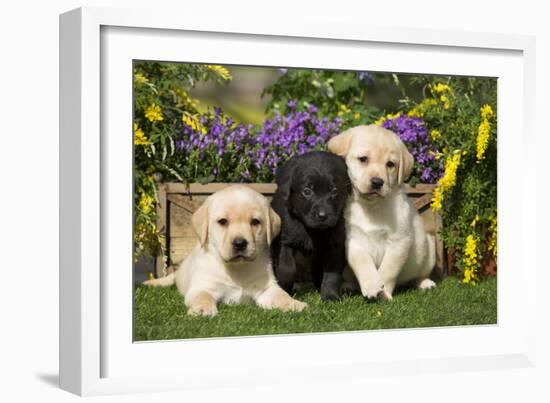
<point x="178" y="202"/>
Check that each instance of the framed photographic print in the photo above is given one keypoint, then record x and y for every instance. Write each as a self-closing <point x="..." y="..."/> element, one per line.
<point x="246" y="195"/>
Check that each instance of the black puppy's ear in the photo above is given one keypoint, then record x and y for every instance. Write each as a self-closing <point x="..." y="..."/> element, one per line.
<point x="284" y="179"/>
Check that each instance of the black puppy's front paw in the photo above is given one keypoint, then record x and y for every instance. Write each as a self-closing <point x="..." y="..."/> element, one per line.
<point x="330" y="287"/>
<point x="307" y="245"/>
<point x="330" y="294"/>
<point x="296" y="237"/>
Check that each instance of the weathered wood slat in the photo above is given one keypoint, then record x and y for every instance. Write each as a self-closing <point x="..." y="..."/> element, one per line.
<point x="423" y="201"/>
<point x="198" y="188"/>
<point x="420" y="188"/>
<point x="160" y="267"/>
<point x="183" y="202"/>
<point x="264" y="188"/>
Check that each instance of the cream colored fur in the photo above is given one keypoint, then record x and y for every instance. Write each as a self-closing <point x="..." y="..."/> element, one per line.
<point x="214" y="272"/>
<point x="386" y="244"/>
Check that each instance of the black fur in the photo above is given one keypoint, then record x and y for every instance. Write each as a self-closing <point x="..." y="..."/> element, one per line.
<point x="303" y="229"/>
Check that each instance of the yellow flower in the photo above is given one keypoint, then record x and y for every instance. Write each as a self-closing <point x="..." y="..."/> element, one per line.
<point x="154" y="113"/>
<point x="447" y="181"/>
<point x="139" y="136"/>
<point x="140" y="78"/>
<point x="487" y="112"/>
<point x="440" y="91"/>
<point x="343" y="109"/>
<point x="220" y="71"/>
<point x="435" y="134"/>
<point x="388" y="116"/>
<point x="421" y="109"/>
<point x="470" y="260"/>
<point x="483" y="132"/>
<point x="357" y="116"/>
<point x="188" y="101"/>
<point x="469" y="276"/>
<point x="437" y="155"/>
<point x="193" y="122"/>
<point x="475" y="221"/>
<point x="146" y="203"/>
<point x="445" y="100"/>
<point x="493" y="230"/>
<point x="440" y="88"/>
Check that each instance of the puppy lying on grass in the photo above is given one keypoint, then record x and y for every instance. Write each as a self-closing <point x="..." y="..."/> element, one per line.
<point x="312" y="190"/>
<point x="231" y="263"/>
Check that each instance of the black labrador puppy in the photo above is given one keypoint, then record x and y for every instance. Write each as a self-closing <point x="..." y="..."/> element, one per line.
<point x="312" y="190"/>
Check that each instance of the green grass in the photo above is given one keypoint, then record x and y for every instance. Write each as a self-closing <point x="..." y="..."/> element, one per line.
<point x="160" y="313"/>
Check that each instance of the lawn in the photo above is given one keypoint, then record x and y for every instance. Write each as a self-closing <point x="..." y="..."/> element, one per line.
<point x="160" y="313"/>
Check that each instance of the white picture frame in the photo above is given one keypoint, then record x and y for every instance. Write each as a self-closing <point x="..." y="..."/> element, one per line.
<point x="96" y="354"/>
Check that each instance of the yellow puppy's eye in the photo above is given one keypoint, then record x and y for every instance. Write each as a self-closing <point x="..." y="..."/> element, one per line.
<point x="254" y="222"/>
<point x="363" y="159"/>
<point x="390" y="164"/>
<point x="223" y="222"/>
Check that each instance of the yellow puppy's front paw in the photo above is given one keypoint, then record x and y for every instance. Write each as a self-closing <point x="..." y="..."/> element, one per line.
<point x="293" y="305"/>
<point x="203" y="309"/>
<point x="385" y="295"/>
<point x="425" y="284"/>
<point x="374" y="289"/>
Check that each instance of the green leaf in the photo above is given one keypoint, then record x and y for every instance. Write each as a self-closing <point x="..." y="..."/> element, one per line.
<point x="344" y="82"/>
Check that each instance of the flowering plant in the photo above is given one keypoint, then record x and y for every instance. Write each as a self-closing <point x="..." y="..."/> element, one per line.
<point x="460" y="116"/>
<point x="161" y="104"/>
<point x="343" y="94"/>
<point x="215" y="148"/>
<point x="295" y="133"/>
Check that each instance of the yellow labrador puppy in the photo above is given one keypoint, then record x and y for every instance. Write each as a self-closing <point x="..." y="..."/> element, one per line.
<point x="231" y="263"/>
<point x="386" y="243"/>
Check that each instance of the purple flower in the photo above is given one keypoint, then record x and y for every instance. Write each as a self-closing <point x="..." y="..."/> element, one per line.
<point x="250" y="153"/>
<point x="365" y="75"/>
<point x="414" y="133"/>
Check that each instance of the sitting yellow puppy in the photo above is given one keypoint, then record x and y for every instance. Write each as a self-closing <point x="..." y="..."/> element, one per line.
<point x="386" y="243"/>
<point x="232" y="262"/>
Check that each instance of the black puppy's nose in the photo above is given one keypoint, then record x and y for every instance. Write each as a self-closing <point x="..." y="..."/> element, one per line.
<point x="322" y="215"/>
<point x="376" y="183"/>
<point x="240" y="244"/>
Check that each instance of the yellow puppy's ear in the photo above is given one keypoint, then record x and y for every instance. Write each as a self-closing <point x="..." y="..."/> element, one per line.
<point x="406" y="163"/>
<point x="273" y="225"/>
<point x="340" y="144"/>
<point x="200" y="222"/>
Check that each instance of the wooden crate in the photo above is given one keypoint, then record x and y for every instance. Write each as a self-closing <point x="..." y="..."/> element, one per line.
<point x="178" y="202"/>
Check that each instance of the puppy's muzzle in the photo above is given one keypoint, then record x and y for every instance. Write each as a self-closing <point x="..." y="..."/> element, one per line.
<point x="239" y="245"/>
<point x="376" y="183"/>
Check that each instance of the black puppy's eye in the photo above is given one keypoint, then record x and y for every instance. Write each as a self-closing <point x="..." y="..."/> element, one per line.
<point x="254" y="222"/>
<point x="363" y="159"/>
<point x="390" y="164"/>
<point x="223" y="222"/>
<point x="307" y="192"/>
